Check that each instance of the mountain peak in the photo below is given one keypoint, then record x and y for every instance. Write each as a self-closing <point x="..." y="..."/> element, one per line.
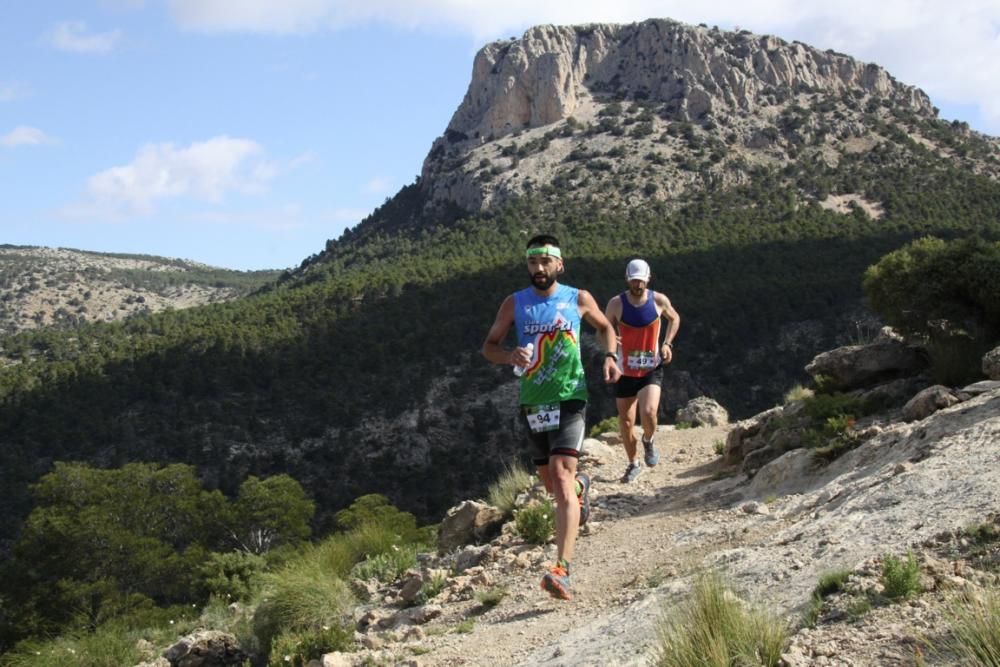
<point x="568" y="79"/>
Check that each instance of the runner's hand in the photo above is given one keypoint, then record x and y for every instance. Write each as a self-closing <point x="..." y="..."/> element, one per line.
<point x="611" y="371"/>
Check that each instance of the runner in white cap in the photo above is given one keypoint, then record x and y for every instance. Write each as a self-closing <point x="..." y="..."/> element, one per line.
<point x="636" y="314"/>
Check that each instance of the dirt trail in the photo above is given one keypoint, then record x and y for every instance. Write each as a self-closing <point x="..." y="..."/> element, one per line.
<point x="633" y="544"/>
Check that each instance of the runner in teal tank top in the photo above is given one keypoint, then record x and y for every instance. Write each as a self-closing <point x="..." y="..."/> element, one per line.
<point x="553" y="388"/>
<point x="552" y="325"/>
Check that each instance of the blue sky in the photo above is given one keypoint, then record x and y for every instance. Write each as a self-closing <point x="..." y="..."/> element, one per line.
<point x="245" y="133"/>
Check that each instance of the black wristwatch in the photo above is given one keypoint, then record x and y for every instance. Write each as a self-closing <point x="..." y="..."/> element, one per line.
<point x="611" y="355"/>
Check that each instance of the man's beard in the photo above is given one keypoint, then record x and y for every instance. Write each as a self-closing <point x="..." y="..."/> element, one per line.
<point x="637" y="293"/>
<point x="542" y="282"/>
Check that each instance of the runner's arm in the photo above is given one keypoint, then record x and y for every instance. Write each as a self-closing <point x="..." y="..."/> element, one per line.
<point x="493" y="348"/>
<point x="673" y="324"/>
<point x="605" y="331"/>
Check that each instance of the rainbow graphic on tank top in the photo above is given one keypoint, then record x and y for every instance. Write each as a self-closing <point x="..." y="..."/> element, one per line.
<point x="555" y="372"/>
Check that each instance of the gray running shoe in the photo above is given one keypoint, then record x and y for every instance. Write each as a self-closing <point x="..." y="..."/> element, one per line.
<point x="556" y="583"/>
<point x="631" y="472"/>
<point x="652" y="457"/>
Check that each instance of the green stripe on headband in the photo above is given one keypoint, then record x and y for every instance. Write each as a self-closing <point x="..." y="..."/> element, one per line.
<point x="549" y="250"/>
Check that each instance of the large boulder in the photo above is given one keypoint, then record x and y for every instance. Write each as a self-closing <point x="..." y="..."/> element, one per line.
<point x="206" y="648"/>
<point x="991" y="364"/>
<point x="703" y="411"/>
<point x="468" y="522"/>
<point x="927" y="402"/>
<point x="859" y="366"/>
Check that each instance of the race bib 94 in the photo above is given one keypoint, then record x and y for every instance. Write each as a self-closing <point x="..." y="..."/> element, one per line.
<point x="543" y="418"/>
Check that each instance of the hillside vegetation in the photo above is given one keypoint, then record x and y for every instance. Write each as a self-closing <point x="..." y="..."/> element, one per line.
<point x="62" y="288"/>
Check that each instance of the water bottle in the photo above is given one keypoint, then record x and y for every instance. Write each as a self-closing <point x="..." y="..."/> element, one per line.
<point x="519" y="370"/>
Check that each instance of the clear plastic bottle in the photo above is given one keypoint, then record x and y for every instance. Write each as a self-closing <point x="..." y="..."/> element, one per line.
<point x="519" y="370"/>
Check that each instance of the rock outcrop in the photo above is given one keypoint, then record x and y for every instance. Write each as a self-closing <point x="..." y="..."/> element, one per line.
<point x="703" y="411"/>
<point x="561" y="84"/>
<point x="856" y="366"/>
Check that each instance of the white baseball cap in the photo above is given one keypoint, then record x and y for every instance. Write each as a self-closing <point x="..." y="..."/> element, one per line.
<point x="637" y="270"/>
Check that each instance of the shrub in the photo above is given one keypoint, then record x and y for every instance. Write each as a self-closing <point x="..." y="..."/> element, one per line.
<point x="604" y="426"/>
<point x="512" y="482"/>
<point x="900" y="579"/>
<point x="297" y="649"/>
<point x="831" y="582"/>
<point x="536" y="523"/>
<point x="234" y="574"/>
<point x="302" y="596"/>
<point x="109" y="646"/>
<point x="431" y="588"/>
<point x="491" y="597"/>
<point x="719" y="447"/>
<point x="387" y="566"/>
<point x="931" y="280"/>
<point x="798" y="393"/>
<point x="715" y="629"/>
<point x="974" y="622"/>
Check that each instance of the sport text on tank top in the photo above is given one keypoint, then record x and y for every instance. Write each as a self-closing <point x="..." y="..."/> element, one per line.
<point x="552" y="324"/>
<point x="639" y="330"/>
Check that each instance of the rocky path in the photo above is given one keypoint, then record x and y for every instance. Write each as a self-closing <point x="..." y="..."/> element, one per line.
<point x="633" y="544"/>
<point x="912" y="487"/>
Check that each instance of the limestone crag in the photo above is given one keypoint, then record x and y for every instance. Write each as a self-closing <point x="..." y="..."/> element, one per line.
<point x="558" y="82"/>
<point x="546" y="75"/>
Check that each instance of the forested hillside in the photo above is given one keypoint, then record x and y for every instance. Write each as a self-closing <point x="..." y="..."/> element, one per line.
<point x="360" y="371"/>
<point x="307" y="376"/>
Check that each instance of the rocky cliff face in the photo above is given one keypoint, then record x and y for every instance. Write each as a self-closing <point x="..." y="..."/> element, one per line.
<point x="536" y="107"/>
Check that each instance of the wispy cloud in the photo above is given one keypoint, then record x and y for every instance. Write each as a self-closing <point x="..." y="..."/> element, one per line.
<point x="74" y="36"/>
<point x="12" y="90"/>
<point x="346" y="216"/>
<point x="283" y="218"/>
<point x="376" y="186"/>
<point x="950" y="49"/>
<point x="205" y="171"/>
<point x="24" y="135"/>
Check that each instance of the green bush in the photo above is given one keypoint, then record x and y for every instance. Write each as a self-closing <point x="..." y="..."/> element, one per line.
<point x="900" y="579"/>
<point x="609" y="425"/>
<point x="491" y="597"/>
<point x="302" y="596"/>
<point x="715" y="629"/>
<point x="831" y="582"/>
<point x="386" y="567"/>
<point x="232" y="575"/>
<point x="973" y="620"/>
<point x="931" y="280"/>
<point x="431" y="588"/>
<point x="296" y="649"/>
<point x="514" y="480"/>
<point x="536" y="523"/>
<point x="109" y="646"/>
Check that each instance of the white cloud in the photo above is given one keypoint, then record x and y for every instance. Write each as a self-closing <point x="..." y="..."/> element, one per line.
<point x="12" y="90"/>
<point x="206" y="171"/>
<point x="284" y="218"/>
<point x="73" y="36"/>
<point x="376" y="186"/>
<point x="949" y="49"/>
<point x="346" y="216"/>
<point x="23" y="135"/>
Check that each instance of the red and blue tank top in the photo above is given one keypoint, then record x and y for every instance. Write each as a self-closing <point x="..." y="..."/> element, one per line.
<point x="639" y="330"/>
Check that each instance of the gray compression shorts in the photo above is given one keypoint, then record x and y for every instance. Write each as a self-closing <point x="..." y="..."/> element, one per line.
<point x="567" y="440"/>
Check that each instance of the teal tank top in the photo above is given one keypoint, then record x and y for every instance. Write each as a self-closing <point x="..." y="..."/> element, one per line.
<point x="552" y="324"/>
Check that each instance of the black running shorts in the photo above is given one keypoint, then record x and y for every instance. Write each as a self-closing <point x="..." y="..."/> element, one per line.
<point x="566" y="440"/>
<point x="627" y="386"/>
